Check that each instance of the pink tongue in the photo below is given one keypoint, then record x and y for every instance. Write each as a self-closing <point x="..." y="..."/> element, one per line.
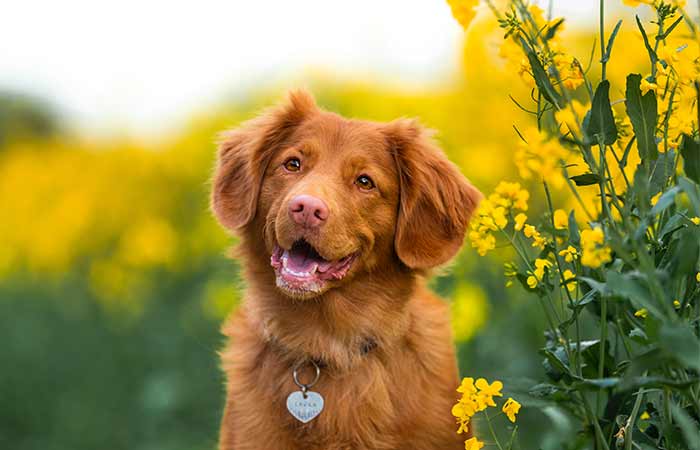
<point x="299" y="262"/>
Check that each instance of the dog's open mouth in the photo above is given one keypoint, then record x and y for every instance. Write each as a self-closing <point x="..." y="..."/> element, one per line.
<point x="302" y="270"/>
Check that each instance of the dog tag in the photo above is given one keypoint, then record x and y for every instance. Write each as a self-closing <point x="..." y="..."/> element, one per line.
<point x="305" y="408"/>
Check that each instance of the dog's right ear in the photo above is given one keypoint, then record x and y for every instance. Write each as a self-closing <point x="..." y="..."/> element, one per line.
<point x="244" y="154"/>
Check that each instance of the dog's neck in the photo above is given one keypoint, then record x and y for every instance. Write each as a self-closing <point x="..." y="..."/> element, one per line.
<point x="368" y="315"/>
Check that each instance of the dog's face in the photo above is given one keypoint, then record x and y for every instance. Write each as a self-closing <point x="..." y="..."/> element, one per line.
<point x="332" y="198"/>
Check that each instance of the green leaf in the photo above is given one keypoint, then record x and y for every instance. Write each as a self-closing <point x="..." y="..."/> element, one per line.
<point x="574" y="237"/>
<point x="540" y="75"/>
<point x="652" y="54"/>
<point x="632" y="287"/>
<point x="661" y="169"/>
<point x="613" y="35"/>
<point x="689" y="427"/>
<point x="596" y="383"/>
<point x="642" y="113"/>
<point x="680" y="342"/>
<point x="691" y="190"/>
<point x="668" y="31"/>
<point x="585" y="179"/>
<point x="552" y="30"/>
<point x="601" y="123"/>
<point x="690" y="150"/>
<point x="683" y="257"/>
<point x="666" y="200"/>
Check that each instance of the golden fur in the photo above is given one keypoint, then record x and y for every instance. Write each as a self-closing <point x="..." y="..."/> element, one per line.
<point x="397" y="393"/>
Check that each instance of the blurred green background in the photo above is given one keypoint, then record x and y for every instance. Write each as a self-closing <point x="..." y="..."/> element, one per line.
<point x="113" y="275"/>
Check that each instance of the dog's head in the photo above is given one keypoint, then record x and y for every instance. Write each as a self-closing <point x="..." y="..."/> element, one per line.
<point x="331" y="198"/>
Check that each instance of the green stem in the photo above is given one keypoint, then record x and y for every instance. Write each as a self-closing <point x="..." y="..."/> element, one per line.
<point x="603" y="56"/>
<point x="603" y="339"/>
<point x="629" y="426"/>
<point x="493" y="433"/>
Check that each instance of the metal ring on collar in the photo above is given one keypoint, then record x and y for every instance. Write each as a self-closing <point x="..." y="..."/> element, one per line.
<point x="304" y="387"/>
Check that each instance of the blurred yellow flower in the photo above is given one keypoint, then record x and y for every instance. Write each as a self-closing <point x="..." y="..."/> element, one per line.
<point x="677" y="304"/>
<point x="463" y="11"/>
<point x="540" y="157"/>
<point x="695" y="220"/>
<point x="473" y="444"/>
<point x="511" y="408"/>
<point x="644" y="416"/>
<point x="520" y="220"/>
<point x="561" y="219"/>
<point x="641" y="313"/>
<point x="636" y="3"/>
<point x="595" y="253"/>
<point x="569" y="276"/>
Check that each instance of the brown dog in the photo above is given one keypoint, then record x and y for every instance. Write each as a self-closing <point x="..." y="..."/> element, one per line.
<point x="339" y="222"/>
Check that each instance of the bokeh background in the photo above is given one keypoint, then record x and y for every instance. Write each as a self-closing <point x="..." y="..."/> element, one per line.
<point x="113" y="275"/>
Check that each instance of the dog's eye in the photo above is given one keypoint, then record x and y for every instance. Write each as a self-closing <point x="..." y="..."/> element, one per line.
<point x="292" y="165"/>
<point x="364" y="182"/>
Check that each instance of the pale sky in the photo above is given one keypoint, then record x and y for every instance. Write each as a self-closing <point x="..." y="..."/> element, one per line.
<point x="144" y="65"/>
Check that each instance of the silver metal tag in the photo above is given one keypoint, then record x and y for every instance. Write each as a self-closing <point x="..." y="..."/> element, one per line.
<point x="305" y="408"/>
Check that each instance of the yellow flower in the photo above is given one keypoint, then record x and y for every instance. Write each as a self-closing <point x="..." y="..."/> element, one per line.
<point x="540" y="266"/>
<point x="493" y="214"/>
<point x="520" y="220"/>
<point x="641" y="313"/>
<point x="677" y="304"/>
<point x="647" y="86"/>
<point x="644" y="416"/>
<point x="561" y="219"/>
<point x="595" y="253"/>
<point x="697" y="277"/>
<point x="467" y="386"/>
<point x="655" y="199"/>
<point x="473" y="444"/>
<point x="463" y="11"/>
<point x="695" y="220"/>
<point x="488" y="391"/>
<point x="532" y="281"/>
<point x="511" y="408"/>
<point x="569" y="280"/>
<point x="569" y="253"/>
<point x="537" y="240"/>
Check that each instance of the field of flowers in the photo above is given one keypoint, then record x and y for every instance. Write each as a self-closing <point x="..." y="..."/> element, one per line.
<point x="114" y="279"/>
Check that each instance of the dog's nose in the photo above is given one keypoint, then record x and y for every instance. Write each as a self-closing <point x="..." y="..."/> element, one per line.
<point x="308" y="211"/>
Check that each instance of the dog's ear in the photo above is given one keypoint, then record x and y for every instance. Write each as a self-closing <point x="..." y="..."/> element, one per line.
<point x="435" y="200"/>
<point x="244" y="154"/>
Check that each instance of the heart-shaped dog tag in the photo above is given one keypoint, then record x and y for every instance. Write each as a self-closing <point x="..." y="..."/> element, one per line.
<point x="305" y="409"/>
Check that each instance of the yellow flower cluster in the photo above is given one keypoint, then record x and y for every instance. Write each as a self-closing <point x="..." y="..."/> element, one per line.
<point x="476" y="397"/>
<point x="569" y="70"/>
<point x="595" y="253"/>
<point x="541" y="157"/>
<point x="536" y="276"/>
<point x="494" y="213"/>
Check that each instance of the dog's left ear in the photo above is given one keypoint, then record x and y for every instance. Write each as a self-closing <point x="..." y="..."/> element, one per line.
<point x="435" y="200"/>
<point x="244" y="154"/>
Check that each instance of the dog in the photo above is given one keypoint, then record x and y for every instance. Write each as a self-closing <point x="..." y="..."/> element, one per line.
<point x="338" y="344"/>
